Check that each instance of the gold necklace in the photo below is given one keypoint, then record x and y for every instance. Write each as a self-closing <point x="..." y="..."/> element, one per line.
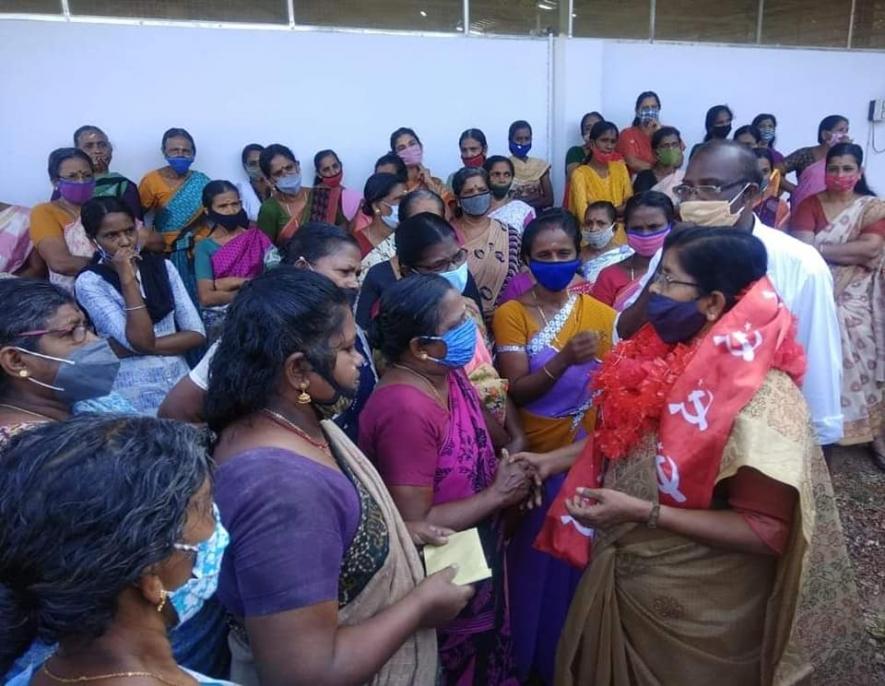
<point x="33" y="414"/>
<point x="427" y="381"/>
<point x="297" y="430"/>
<point x="102" y="677"/>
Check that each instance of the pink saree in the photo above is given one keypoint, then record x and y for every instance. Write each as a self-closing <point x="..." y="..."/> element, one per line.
<point x="243" y="256"/>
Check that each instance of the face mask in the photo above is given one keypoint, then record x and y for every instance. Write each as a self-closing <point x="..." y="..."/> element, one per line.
<point x="767" y="134"/>
<point x="554" y="276"/>
<point x="412" y="156"/>
<point x="457" y="277"/>
<point x="836" y="138"/>
<point x="476" y="205"/>
<point x="76" y="192"/>
<point x="500" y="192"/>
<point x="473" y="162"/>
<point x="254" y="173"/>
<point x="518" y="150"/>
<point x="88" y="373"/>
<point x="605" y="157"/>
<point x="674" y="321"/>
<point x="841" y="183"/>
<point x="649" y="114"/>
<point x="103" y="255"/>
<point x="180" y="165"/>
<point x="392" y="219"/>
<point x="669" y="157"/>
<point x="229" y="221"/>
<point x="460" y="344"/>
<point x="332" y="181"/>
<point x="339" y="404"/>
<point x="765" y="181"/>
<point x="647" y="244"/>
<point x="598" y="239"/>
<point x="711" y="212"/>
<point x="188" y="599"/>
<point x="290" y="183"/>
<point x="720" y="131"/>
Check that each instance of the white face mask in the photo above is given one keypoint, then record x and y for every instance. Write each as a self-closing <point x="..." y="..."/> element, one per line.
<point x="392" y="219"/>
<point x="598" y="239"/>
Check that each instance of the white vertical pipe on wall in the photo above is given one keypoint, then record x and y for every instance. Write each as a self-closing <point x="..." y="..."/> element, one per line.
<point x="66" y="9"/>
<point x="290" y="8"/>
<point x="851" y="23"/>
<point x="465" y="7"/>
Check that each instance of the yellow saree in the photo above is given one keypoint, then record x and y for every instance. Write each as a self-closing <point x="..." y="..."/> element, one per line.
<point x="658" y="608"/>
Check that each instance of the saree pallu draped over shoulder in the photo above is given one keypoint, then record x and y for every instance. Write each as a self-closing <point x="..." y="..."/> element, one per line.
<point x="392" y="578"/>
<point x="638" y="616"/>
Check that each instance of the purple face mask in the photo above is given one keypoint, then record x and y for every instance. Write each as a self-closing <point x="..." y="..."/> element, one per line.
<point x="647" y="244"/>
<point x="76" y="192"/>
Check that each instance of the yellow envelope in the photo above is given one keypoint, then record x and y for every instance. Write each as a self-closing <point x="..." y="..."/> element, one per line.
<point x="463" y="549"/>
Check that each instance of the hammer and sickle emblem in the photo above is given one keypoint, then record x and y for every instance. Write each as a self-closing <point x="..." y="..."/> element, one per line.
<point x="583" y="530"/>
<point x="669" y="485"/>
<point x="699" y="416"/>
<point x="739" y="345"/>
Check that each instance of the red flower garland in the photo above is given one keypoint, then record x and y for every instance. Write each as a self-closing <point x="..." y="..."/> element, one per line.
<point x="632" y="385"/>
<point x="634" y="381"/>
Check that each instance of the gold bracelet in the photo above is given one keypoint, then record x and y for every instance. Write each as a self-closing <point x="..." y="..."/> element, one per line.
<point x="652" y="521"/>
<point x="547" y="372"/>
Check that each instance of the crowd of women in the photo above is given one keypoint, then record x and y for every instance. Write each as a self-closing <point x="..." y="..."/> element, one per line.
<point x="234" y="414"/>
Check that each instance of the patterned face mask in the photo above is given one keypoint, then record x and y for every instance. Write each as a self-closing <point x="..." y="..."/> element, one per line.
<point x="189" y="598"/>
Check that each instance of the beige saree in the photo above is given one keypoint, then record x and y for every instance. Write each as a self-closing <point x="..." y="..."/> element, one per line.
<point x="416" y="660"/>
<point x="860" y="308"/>
<point x="655" y="608"/>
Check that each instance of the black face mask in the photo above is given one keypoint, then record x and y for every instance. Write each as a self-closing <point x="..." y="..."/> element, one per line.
<point x="229" y="221"/>
<point x="500" y="192"/>
<point x="720" y="131"/>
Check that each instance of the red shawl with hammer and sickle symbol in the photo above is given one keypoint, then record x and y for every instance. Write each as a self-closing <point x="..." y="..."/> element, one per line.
<point x="690" y="395"/>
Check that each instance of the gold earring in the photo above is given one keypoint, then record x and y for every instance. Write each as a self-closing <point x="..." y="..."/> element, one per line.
<point x="23" y="373"/>
<point x="422" y="355"/>
<point x="304" y="396"/>
<point x="162" y="601"/>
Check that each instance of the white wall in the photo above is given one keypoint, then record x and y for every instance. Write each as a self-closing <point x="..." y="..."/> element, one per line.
<point x="348" y="91"/>
<point x="800" y="87"/>
<point x="309" y="90"/>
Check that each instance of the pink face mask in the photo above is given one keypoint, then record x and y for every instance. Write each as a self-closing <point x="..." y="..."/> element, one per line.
<point x="839" y="183"/>
<point x="412" y="155"/>
<point x="647" y="244"/>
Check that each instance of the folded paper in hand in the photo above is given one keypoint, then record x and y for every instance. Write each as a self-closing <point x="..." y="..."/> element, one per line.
<point x="463" y="549"/>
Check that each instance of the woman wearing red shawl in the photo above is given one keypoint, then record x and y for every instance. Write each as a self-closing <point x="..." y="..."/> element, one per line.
<point x="702" y="501"/>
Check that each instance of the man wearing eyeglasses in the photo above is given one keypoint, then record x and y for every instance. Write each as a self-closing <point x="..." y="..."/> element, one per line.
<point x="721" y="185"/>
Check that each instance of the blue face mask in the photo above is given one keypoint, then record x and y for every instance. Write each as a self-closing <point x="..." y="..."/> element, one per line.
<point x="189" y="598"/>
<point x="457" y="277"/>
<point x="460" y="344"/>
<point x="180" y="165"/>
<point x="518" y="150"/>
<point x="554" y="276"/>
<point x="675" y="321"/>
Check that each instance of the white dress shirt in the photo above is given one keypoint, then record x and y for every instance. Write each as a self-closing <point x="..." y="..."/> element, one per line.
<point x="805" y="284"/>
<point x="250" y="200"/>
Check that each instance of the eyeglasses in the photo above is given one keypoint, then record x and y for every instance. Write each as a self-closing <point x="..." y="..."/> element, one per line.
<point x="685" y="192"/>
<point x="444" y="265"/>
<point x="78" y="176"/>
<point x="187" y="548"/>
<point x="668" y="281"/>
<point x="77" y="332"/>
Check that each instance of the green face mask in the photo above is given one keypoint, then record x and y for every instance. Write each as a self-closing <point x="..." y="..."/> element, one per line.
<point x="669" y="157"/>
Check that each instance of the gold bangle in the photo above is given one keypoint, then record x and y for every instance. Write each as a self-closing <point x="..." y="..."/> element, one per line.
<point x="652" y="521"/>
<point x="547" y="372"/>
